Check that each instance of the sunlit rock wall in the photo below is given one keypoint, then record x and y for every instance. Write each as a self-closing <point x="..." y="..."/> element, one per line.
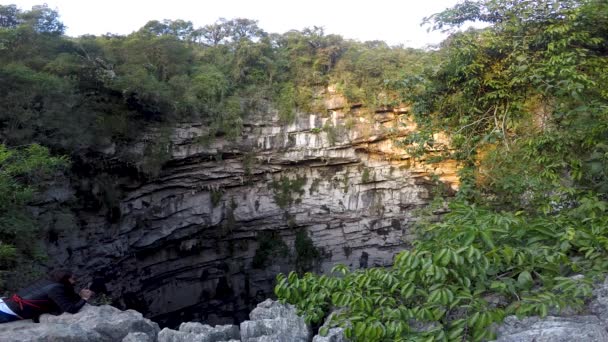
<point x="182" y="247"/>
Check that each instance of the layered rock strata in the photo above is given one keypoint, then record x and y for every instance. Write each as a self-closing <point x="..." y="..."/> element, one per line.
<point x="205" y="239"/>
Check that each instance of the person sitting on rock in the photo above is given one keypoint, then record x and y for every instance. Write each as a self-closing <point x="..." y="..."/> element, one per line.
<point x="52" y="295"/>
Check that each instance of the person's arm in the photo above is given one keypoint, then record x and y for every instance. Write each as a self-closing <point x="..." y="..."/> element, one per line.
<point x="64" y="301"/>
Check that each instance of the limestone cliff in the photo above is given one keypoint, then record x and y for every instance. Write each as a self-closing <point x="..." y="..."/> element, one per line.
<point x="205" y="239"/>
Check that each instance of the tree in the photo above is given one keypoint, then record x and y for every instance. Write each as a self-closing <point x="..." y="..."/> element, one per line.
<point x="43" y="20"/>
<point x="214" y="34"/>
<point x="536" y="75"/>
<point x="182" y="30"/>
<point x="9" y="16"/>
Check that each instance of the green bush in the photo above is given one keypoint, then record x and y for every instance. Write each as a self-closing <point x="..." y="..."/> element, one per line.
<point x="449" y="278"/>
<point x="22" y="173"/>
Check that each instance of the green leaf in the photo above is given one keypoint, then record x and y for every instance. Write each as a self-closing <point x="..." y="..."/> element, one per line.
<point x="524" y="279"/>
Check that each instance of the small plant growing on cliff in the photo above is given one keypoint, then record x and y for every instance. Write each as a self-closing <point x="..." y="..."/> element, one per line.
<point x="248" y="164"/>
<point x="332" y="133"/>
<point x="157" y="152"/>
<point x="366" y="176"/>
<point x="216" y="197"/>
<point x="270" y="244"/>
<point x="285" y="190"/>
<point x="350" y="123"/>
<point x="229" y="220"/>
<point x="314" y="186"/>
<point x="307" y="255"/>
<point x="345" y="183"/>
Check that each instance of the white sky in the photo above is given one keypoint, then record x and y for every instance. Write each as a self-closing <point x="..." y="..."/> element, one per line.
<point x="395" y="22"/>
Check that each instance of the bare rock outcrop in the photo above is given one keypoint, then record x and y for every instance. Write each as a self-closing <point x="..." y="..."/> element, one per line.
<point x="193" y="331"/>
<point x="553" y="329"/>
<point x="272" y="321"/>
<point x="205" y="239"/>
<point x="91" y="324"/>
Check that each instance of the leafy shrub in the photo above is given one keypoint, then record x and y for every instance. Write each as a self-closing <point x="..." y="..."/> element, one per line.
<point x="448" y="279"/>
<point x="285" y="190"/>
<point x="22" y="171"/>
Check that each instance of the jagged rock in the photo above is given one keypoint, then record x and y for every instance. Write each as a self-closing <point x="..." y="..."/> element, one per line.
<point x="137" y="337"/>
<point x="599" y="305"/>
<point x="28" y="331"/>
<point x="272" y="321"/>
<point x="91" y="324"/>
<point x="193" y="331"/>
<point x="553" y="329"/>
<point x="333" y="335"/>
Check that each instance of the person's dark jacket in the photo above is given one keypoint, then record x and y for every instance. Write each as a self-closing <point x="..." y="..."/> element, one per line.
<point x="45" y="296"/>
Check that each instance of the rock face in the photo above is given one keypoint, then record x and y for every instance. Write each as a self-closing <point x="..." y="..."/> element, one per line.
<point x="205" y="239"/>
<point x="92" y="323"/>
<point x="333" y="335"/>
<point x="553" y="329"/>
<point x="193" y="331"/>
<point x="592" y="327"/>
<point x="270" y="322"/>
<point x="274" y="322"/>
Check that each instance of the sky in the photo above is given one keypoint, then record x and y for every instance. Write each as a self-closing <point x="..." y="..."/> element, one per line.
<point x="393" y="21"/>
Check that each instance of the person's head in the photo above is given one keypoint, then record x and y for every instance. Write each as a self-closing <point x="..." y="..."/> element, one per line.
<point x="63" y="276"/>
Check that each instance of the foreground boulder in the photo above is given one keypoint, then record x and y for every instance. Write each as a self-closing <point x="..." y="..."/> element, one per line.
<point x="587" y="328"/>
<point x="193" y="331"/>
<point x="553" y="329"/>
<point x="333" y="335"/>
<point x="272" y="321"/>
<point x="91" y="323"/>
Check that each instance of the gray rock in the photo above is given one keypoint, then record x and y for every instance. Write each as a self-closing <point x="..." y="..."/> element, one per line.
<point x="272" y="321"/>
<point x="137" y="337"/>
<point x="552" y="329"/>
<point x="193" y="331"/>
<point x="92" y="323"/>
<point x="266" y="339"/>
<point x="270" y="309"/>
<point x="334" y="335"/>
<point x="217" y="333"/>
<point x="27" y="331"/>
<point x="599" y="304"/>
<point x="169" y="335"/>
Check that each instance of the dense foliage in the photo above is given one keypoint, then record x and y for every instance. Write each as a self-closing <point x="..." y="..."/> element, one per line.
<point x="524" y="101"/>
<point x="107" y="88"/>
<point x="21" y="172"/>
